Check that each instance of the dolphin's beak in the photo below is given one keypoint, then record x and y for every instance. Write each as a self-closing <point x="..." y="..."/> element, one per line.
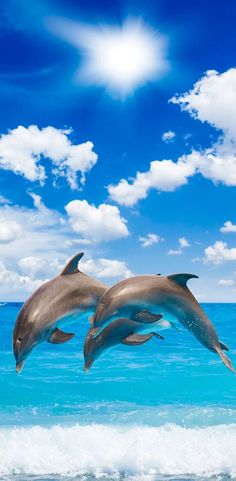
<point x="19" y="366"/>
<point x="87" y="365"/>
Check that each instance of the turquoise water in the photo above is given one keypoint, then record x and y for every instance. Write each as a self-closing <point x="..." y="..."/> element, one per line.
<point x="162" y="411"/>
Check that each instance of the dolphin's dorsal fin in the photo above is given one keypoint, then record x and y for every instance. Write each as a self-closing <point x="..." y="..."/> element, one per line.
<point x="72" y="265"/>
<point x="182" y="279"/>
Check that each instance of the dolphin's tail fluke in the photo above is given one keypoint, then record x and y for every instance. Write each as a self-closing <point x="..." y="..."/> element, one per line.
<point x="225" y="359"/>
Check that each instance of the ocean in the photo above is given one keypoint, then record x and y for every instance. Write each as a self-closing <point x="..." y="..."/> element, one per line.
<point x="158" y="412"/>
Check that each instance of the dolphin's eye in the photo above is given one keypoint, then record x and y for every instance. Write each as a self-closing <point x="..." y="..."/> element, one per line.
<point x="19" y="339"/>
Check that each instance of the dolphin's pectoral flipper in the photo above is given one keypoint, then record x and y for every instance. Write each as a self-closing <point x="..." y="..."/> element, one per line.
<point x="145" y="317"/>
<point x="182" y="279"/>
<point x="58" y="336"/>
<point x="223" y="346"/>
<point x="225" y="359"/>
<point x="137" y="339"/>
<point x="72" y="266"/>
<point x="156" y="334"/>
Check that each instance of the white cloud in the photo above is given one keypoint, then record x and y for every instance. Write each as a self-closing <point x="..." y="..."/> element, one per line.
<point x="34" y="271"/>
<point x="9" y="230"/>
<point x="183" y="242"/>
<point x="77" y="242"/>
<point x="217" y="163"/>
<point x="105" y="268"/>
<point x="168" y="136"/>
<point x="228" y="227"/>
<point x="40" y="232"/>
<point x="226" y="282"/>
<point x="175" y="252"/>
<point x="38" y="203"/>
<point x="22" y="150"/>
<point x="163" y="175"/>
<point x="102" y="223"/>
<point x="150" y="239"/>
<point x="37" y="266"/>
<point x="31" y="265"/>
<point x="46" y="243"/>
<point x="213" y="100"/>
<point x="219" y="253"/>
<point x="13" y="285"/>
<point x="4" y="200"/>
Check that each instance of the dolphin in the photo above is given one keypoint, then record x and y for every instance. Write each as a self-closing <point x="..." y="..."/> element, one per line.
<point x="123" y="331"/>
<point x="70" y="295"/>
<point x="137" y="296"/>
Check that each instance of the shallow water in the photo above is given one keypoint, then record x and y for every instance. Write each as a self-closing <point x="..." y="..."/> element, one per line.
<point x="162" y="411"/>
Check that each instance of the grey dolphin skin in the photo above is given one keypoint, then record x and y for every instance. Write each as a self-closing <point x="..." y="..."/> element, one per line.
<point x="132" y="298"/>
<point x="123" y="331"/>
<point x="70" y="293"/>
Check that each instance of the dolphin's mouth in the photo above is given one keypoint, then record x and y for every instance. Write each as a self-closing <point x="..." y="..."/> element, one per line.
<point x="87" y="365"/>
<point x="19" y="366"/>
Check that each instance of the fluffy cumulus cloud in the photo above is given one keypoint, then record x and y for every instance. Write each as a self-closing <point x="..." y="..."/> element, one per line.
<point x="211" y="100"/>
<point x="164" y="175"/>
<point x="43" y="241"/>
<point x="37" y="232"/>
<point x="219" y="253"/>
<point x="23" y="149"/>
<point x="38" y="267"/>
<point x="228" y="227"/>
<point x="217" y="163"/>
<point x="106" y="268"/>
<point x="102" y="223"/>
<point x="183" y="243"/>
<point x="9" y="230"/>
<point x="226" y="282"/>
<point x="168" y="136"/>
<point x="150" y="239"/>
<point x="14" y="285"/>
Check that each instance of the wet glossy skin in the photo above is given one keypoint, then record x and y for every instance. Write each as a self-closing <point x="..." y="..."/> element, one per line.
<point x="63" y="296"/>
<point x="159" y="295"/>
<point x="100" y="339"/>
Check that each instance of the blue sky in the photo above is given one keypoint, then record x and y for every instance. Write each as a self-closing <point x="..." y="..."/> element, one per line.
<point x="130" y="157"/>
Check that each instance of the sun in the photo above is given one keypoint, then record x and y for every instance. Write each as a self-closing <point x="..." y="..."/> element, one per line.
<point x="119" y="58"/>
<point x="123" y="59"/>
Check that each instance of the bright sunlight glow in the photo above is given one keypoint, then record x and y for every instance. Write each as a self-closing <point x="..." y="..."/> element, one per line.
<point x="120" y="59"/>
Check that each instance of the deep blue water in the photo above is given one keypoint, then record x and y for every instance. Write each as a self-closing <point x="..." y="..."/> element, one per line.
<point x="164" y="410"/>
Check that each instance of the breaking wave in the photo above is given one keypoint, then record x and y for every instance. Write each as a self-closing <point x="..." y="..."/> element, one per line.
<point x="76" y="450"/>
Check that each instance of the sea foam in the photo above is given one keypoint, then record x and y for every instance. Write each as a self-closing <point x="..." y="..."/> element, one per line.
<point x="76" y="450"/>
